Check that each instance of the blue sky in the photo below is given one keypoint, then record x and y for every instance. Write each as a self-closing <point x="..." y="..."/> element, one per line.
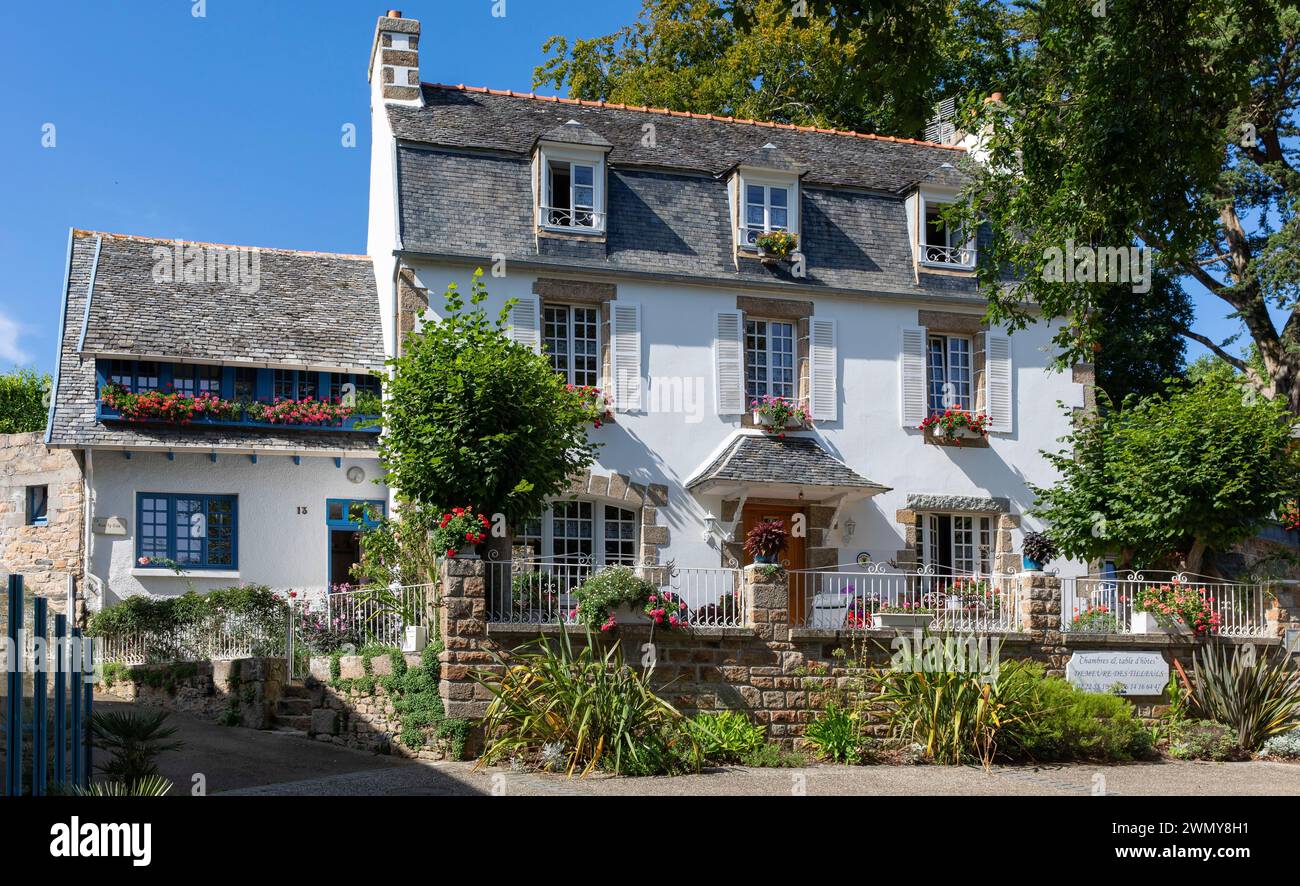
<point x="225" y="128"/>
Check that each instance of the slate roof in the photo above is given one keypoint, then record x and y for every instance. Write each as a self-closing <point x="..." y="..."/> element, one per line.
<point x="315" y="310"/>
<point x="465" y="183"/>
<point x="767" y="458"/>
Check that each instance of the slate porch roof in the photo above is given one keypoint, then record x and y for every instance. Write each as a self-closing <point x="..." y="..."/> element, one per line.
<point x="316" y="311"/>
<point x="465" y="192"/>
<point x="765" y="459"/>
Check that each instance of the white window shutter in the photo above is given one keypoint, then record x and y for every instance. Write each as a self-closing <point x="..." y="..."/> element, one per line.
<point x="625" y="355"/>
<point x="729" y="362"/>
<point x="822" y="364"/>
<point x="911" y="377"/>
<point x="998" y="403"/>
<point x="525" y="325"/>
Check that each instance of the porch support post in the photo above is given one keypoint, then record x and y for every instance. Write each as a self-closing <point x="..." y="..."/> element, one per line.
<point x="462" y="621"/>
<point x="768" y="599"/>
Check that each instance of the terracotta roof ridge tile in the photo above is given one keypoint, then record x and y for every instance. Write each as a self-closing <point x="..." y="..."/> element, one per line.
<point x="507" y="93"/>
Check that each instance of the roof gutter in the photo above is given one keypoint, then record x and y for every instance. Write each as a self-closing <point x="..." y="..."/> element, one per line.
<point x="572" y="270"/>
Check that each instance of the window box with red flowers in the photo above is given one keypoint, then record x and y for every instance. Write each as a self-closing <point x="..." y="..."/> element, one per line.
<point x="594" y="403"/>
<point x="308" y="411"/>
<point x="167" y="406"/>
<point x="459" y="532"/>
<point x="778" y="413"/>
<point x="952" y="427"/>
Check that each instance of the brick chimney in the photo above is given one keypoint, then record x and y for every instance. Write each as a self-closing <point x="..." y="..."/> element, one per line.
<point x="395" y="58"/>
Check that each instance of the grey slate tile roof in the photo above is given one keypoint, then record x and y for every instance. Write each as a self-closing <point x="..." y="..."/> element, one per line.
<point x="466" y="192"/>
<point x="311" y="308"/>
<point x="767" y="458"/>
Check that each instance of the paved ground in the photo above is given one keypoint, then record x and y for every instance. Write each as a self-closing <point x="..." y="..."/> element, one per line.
<point x="245" y="762"/>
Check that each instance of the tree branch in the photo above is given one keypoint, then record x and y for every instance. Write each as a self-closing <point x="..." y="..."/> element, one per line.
<point x="1219" y="352"/>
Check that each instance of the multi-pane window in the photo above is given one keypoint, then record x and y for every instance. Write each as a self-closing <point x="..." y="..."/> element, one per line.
<point x="245" y="383"/>
<point x="571" y="334"/>
<point x="948" y="373"/>
<point x="38" y="505"/>
<point x="620" y="536"/>
<point x="194" y="531"/>
<point x="530" y="535"/>
<point x="767" y="208"/>
<point x="959" y="544"/>
<point x="194" y="380"/>
<point x="572" y="531"/>
<point x="284" y="385"/>
<point x="769" y="359"/>
<point x="944" y="243"/>
<point x="571" y="194"/>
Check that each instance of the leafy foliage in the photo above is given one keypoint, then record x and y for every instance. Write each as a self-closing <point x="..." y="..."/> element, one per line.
<point x="608" y="589"/>
<point x="1037" y="546"/>
<point x="135" y="739"/>
<point x="766" y="539"/>
<point x="1257" y="695"/>
<point x="1204" y="740"/>
<point x="836" y="734"/>
<point x="600" y="711"/>
<point x="473" y="416"/>
<point x="149" y="786"/>
<point x="23" y="401"/>
<point x="1075" y="725"/>
<point x="1202" y="465"/>
<point x="167" y="624"/>
<point x="727" y="736"/>
<point x="399" y="549"/>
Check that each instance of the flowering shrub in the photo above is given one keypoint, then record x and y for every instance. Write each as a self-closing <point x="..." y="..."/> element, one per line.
<point x="1095" y="619"/>
<point x="460" y="528"/>
<point x="1175" y="602"/>
<point x="948" y="422"/>
<point x="605" y="591"/>
<point x="976" y="595"/>
<point x="1289" y="515"/>
<point x="299" y="412"/>
<point x="778" y="412"/>
<point x="166" y="405"/>
<point x="594" y="403"/>
<point x="777" y="243"/>
<point x="665" y="608"/>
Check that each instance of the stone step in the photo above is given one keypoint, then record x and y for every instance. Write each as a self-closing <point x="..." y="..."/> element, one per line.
<point x="294" y="707"/>
<point x="296" y="690"/>
<point x="301" y="723"/>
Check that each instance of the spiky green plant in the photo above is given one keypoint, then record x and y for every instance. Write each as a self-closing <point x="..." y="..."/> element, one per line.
<point x="149" y="786"/>
<point x="726" y="736"/>
<point x="1255" y="693"/>
<point x="135" y="740"/>
<point x="602" y="712"/>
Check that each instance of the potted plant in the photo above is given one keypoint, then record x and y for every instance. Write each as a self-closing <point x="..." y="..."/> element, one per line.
<point x="1173" y="607"/>
<point x="459" y="531"/>
<point x="778" y="413"/>
<point x="955" y="425"/>
<point x="906" y="615"/>
<point x="618" y="596"/>
<point x="776" y="245"/>
<point x="1037" y="551"/>
<point x="766" y="540"/>
<point x="594" y="403"/>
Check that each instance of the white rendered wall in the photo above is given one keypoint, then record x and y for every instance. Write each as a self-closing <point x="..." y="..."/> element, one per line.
<point x="277" y="545"/>
<point x="670" y="446"/>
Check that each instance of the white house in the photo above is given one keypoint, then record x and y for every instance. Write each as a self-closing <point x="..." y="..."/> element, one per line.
<point x="630" y="239"/>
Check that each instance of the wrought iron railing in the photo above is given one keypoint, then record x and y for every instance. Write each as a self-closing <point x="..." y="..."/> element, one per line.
<point x="1106" y="604"/>
<point x="957" y="256"/>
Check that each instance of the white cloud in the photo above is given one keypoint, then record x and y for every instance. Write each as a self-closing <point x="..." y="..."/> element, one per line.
<point x="10" y="351"/>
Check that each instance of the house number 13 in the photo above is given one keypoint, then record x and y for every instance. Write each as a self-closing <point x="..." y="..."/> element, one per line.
<point x="302" y="512"/>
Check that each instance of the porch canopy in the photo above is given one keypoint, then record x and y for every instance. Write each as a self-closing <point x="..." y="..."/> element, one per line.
<point x="781" y="467"/>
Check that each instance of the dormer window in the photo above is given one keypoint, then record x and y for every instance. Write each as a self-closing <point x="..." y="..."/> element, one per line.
<point x="767" y="208"/>
<point x="765" y="196"/>
<point x="942" y="244"/>
<point x="571" y="180"/>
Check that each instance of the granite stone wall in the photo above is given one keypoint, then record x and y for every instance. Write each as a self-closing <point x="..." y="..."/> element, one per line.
<point x="44" y="555"/>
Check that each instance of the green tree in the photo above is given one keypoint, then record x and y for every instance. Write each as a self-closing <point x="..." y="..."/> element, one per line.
<point x="1164" y="123"/>
<point x="472" y="417"/>
<point x="23" y="401"/>
<point x="1199" y="467"/>
<point x="875" y="67"/>
<point x="1138" y="337"/>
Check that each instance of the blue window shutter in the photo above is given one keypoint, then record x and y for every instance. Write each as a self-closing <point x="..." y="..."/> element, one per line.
<point x="227" y="382"/>
<point x="264" y="384"/>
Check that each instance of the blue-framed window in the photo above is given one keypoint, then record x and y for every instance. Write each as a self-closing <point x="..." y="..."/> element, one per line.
<point x="194" y="531"/>
<point x="135" y="375"/>
<point x="293" y="384"/>
<point x="194" y="380"/>
<point x="362" y="383"/>
<point x="346" y="513"/>
<point x="38" y="503"/>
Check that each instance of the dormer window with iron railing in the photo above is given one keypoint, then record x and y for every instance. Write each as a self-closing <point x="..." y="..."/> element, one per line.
<point x="147" y="392"/>
<point x="572" y="191"/>
<point x="943" y="244"/>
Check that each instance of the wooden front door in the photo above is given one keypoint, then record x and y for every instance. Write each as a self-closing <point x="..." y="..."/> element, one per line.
<point x="793" y="556"/>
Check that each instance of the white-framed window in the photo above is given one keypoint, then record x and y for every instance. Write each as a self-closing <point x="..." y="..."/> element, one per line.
<point x="766" y="204"/>
<point x="571" y="335"/>
<point x="943" y="244"/>
<point x="572" y="191"/>
<point x="957" y="544"/>
<point x="948" y="373"/>
<point x="769" y="358"/>
<point x="583" y="531"/>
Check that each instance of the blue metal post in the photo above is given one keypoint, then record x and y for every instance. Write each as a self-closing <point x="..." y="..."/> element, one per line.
<point x="40" y="739"/>
<point x="60" y="698"/>
<point x="14" y="718"/>
<point x="89" y="685"/>
<point x="74" y="689"/>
